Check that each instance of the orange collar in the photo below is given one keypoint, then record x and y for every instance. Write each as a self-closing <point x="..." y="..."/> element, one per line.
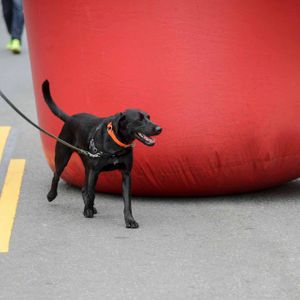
<point x="113" y="136"/>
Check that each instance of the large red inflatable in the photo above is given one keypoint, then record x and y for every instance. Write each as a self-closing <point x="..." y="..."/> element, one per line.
<point x="221" y="77"/>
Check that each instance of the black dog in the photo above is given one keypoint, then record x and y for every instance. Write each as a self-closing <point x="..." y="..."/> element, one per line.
<point x="111" y="138"/>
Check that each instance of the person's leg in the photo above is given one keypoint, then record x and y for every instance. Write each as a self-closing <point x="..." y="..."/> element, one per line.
<point x="7" y="7"/>
<point x="17" y="20"/>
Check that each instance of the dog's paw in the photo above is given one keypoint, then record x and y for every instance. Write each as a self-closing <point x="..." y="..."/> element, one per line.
<point x="95" y="210"/>
<point x="88" y="212"/>
<point x="131" y="223"/>
<point x="51" y="195"/>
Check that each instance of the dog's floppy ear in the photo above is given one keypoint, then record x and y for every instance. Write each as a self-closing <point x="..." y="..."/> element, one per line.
<point x="120" y="120"/>
<point x="122" y="116"/>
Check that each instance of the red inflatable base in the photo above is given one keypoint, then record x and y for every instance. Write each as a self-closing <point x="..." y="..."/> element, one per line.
<point x="221" y="77"/>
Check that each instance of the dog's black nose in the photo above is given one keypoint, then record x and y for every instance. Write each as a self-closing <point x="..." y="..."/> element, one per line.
<point x="158" y="129"/>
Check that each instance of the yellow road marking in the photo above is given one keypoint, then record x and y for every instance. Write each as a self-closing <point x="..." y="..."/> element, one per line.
<point x="9" y="200"/>
<point x="4" y="132"/>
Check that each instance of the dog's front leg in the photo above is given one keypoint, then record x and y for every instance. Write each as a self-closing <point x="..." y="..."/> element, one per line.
<point x="88" y="193"/>
<point x="126" y="190"/>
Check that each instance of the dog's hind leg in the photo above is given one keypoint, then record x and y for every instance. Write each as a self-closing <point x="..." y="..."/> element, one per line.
<point x="88" y="192"/>
<point x="62" y="157"/>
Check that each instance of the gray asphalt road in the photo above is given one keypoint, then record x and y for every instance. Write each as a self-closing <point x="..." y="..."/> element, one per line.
<point x="239" y="247"/>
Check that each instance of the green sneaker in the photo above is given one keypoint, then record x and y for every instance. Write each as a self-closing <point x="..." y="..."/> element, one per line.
<point x="15" y="46"/>
<point x="8" y="45"/>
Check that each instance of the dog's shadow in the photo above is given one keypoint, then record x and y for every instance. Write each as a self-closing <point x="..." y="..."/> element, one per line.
<point x="287" y="192"/>
<point x="110" y="206"/>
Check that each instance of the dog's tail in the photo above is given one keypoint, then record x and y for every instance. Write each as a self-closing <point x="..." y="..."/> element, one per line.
<point x="53" y="107"/>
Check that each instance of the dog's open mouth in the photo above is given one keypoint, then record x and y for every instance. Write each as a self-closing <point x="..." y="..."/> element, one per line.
<point x="145" y="139"/>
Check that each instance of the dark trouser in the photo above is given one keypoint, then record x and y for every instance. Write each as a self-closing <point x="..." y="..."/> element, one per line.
<point x="14" y="19"/>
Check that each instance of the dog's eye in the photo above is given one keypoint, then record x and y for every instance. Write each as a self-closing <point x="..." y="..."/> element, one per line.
<point x="148" y="117"/>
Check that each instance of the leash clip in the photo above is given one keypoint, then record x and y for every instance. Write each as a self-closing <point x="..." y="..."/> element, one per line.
<point x="96" y="155"/>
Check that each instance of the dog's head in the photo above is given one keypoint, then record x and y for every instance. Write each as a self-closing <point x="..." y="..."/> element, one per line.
<point x="136" y="124"/>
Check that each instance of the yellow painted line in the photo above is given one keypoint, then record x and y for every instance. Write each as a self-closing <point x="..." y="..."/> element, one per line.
<point x="4" y="132"/>
<point x="9" y="200"/>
